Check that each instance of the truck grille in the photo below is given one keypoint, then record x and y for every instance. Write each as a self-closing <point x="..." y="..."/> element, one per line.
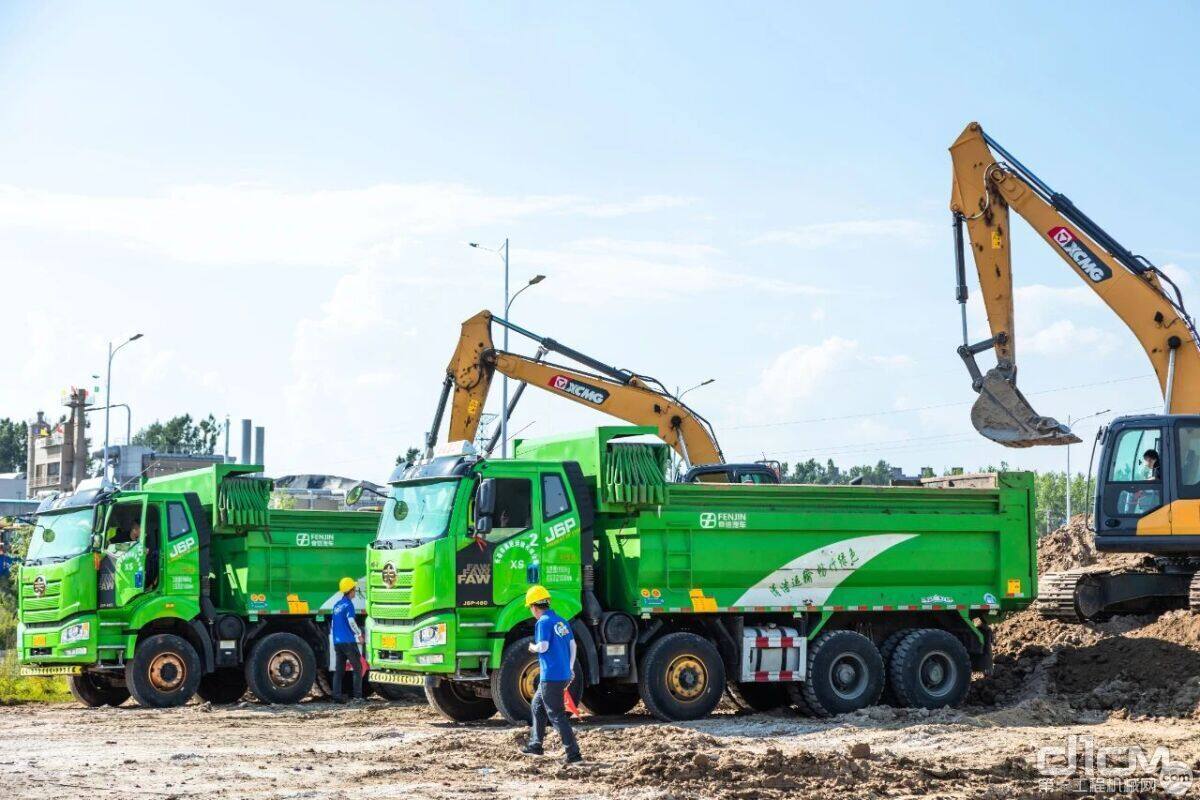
<point x="44" y="608"/>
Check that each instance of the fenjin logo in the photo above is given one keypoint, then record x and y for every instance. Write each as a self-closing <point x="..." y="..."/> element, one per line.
<point x="722" y="519"/>
<point x="583" y="391"/>
<point x="39" y="586"/>
<point x="1083" y="258"/>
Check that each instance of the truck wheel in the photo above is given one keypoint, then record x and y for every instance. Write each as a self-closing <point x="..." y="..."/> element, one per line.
<point x="682" y="677"/>
<point x="888" y="698"/>
<point x="514" y="683"/>
<point x="610" y="699"/>
<point x="223" y="687"/>
<point x="94" y="691"/>
<point x="164" y="671"/>
<point x="761" y="696"/>
<point x="845" y="673"/>
<point x="456" y="702"/>
<point x="795" y="693"/>
<point x="930" y="669"/>
<point x="281" y="669"/>
<point x="395" y="693"/>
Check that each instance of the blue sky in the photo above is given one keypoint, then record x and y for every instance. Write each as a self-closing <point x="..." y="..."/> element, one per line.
<point x="279" y="196"/>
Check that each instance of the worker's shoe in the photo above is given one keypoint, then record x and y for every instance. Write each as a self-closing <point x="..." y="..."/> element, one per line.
<point x="573" y="758"/>
<point x="532" y="750"/>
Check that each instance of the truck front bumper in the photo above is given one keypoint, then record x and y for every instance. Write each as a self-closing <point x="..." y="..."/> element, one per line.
<point x="69" y="641"/>
<point x="424" y="646"/>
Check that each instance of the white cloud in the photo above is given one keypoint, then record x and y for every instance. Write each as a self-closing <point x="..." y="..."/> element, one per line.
<point x="249" y="224"/>
<point x="851" y="233"/>
<point x="1065" y="338"/>
<point x="1181" y="276"/>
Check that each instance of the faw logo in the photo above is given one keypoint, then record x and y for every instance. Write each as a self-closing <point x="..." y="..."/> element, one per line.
<point x="39" y="586"/>
<point x="583" y="391"/>
<point x="475" y="574"/>
<point x="1084" y="259"/>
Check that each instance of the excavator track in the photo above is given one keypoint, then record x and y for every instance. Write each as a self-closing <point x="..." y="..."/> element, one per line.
<point x="1057" y="595"/>
<point x="1194" y="594"/>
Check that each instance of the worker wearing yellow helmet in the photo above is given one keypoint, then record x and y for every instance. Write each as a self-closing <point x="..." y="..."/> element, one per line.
<point x="346" y="638"/>
<point x="555" y="647"/>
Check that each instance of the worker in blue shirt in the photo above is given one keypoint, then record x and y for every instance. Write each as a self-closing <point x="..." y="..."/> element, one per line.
<point x="555" y="647"/>
<point x="346" y="636"/>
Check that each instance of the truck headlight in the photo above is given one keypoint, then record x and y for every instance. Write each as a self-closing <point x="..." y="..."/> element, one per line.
<point x="430" y="636"/>
<point x="76" y="633"/>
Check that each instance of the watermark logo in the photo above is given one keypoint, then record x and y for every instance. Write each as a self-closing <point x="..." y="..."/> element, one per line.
<point x="1084" y="767"/>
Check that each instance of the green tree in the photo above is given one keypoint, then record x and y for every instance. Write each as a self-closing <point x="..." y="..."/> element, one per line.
<point x="813" y="471"/>
<point x="1050" y="491"/>
<point x="181" y="435"/>
<point x="13" y="438"/>
<point x="410" y="455"/>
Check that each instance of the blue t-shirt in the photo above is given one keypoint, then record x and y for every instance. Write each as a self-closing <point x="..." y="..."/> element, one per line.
<point x="556" y="661"/>
<point x="343" y="615"/>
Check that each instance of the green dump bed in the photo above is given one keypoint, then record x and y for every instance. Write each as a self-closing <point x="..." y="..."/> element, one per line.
<point x="673" y="548"/>
<point x="269" y="561"/>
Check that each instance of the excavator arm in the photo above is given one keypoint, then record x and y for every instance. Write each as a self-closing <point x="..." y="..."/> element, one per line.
<point x="984" y="188"/>
<point x="623" y="394"/>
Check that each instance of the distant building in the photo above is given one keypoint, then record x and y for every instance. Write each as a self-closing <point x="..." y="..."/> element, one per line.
<point x="57" y="456"/>
<point x="12" y="485"/>
<point x="132" y="462"/>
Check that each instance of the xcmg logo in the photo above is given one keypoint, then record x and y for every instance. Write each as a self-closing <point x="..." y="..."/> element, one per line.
<point x="1083" y="258"/>
<point x="583" y="391"/>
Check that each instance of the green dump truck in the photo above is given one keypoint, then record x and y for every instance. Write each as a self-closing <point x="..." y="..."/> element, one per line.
<point x="190" y="584"/>
<point x="825" y="597"/>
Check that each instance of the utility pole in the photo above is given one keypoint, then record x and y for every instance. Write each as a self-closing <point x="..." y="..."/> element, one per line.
<point x="1069" y="423"/>
<point x="108" y="397"/>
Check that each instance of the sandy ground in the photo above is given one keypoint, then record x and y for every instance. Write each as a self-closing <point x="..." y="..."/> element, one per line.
<point x="402" y="750"/>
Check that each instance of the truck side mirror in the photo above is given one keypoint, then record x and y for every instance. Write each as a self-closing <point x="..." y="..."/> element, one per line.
<point x="354" y="495"/>
<point x="485" y="505"/>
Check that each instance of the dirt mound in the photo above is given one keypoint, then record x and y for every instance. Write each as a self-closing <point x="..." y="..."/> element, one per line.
<point x="1073" y="546"/>
<point x="1133" y="665"/>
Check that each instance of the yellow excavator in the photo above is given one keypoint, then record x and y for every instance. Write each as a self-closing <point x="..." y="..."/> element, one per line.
<point x="1148" y="478"/>
<point x="637" y="399"/>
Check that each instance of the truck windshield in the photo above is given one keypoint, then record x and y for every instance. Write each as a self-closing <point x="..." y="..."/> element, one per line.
<point x="58" y="537"/>
<point x="416" y="513"/>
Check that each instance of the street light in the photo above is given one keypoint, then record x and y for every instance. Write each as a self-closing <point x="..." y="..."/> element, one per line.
<point x="1069" y="423"/>
<point x="679" y="395"/>
<point x="112" y="351"/>
<point x="508" y="301"/>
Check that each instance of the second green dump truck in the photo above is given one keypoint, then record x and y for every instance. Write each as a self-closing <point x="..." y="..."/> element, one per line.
<point x="189" y="584"/>
<point x="824" y="597"/>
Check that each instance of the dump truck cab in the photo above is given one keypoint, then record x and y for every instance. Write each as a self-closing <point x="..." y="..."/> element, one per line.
<point x="460" y="541"/>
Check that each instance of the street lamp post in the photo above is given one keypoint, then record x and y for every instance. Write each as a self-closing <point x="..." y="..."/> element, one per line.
<point x="679" y="395"/>
<point x="1069" y="423"/>
<point x="112" y="351"/>
<point x="508" y="301"/>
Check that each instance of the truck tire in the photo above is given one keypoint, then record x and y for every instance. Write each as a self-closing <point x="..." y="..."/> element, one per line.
<point x="796" y="696"/>
<point x="164" y="671"/>
<point x="761" y="696"/>
<point x="222" y="687"/>
<point x="395" y="693"/>
<point x="845" y="673"/>
<point x="888" y="698"/>
<point x="94" y="691"/>
<point x="610" y="699"/>
<point x="682" y="677"/>
<point x="281" y="669"/>
<point x="456" y="702"/>
<point x="930" y="669"/>
<point x="515" y="682"/>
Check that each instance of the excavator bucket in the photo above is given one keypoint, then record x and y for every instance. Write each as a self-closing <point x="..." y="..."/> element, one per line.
<point x="1003" y="415"/>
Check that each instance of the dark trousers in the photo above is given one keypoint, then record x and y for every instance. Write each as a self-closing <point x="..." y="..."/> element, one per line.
<point x="548" y="706"/>
<point x="347" y="652"/>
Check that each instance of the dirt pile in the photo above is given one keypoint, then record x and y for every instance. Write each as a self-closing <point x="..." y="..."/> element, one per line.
<point x="1073" y="546"/>
<point x="1132" y="665"/>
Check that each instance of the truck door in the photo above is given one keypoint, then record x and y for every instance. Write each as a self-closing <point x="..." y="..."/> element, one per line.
<point x="132" y="534"/>
<point x="1133" y="497"/>
<point x="492" y="568"/>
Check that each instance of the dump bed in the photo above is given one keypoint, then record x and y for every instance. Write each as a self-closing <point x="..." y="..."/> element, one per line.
<point x="669" y="548"/>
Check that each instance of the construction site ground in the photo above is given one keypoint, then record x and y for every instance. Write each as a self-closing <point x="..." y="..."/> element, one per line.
<point x="1129" y="682"/>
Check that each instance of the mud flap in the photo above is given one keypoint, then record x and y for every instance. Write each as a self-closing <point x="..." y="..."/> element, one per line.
<point x="1003" y="415"/>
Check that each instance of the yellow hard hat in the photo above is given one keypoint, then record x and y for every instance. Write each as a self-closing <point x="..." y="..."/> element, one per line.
<point x="537" y="594"/>
<point x="346" y="584"/>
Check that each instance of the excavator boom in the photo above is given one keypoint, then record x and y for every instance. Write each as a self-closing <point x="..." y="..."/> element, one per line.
<point x="618" y="392"/>
<point x="985" y="186"/>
